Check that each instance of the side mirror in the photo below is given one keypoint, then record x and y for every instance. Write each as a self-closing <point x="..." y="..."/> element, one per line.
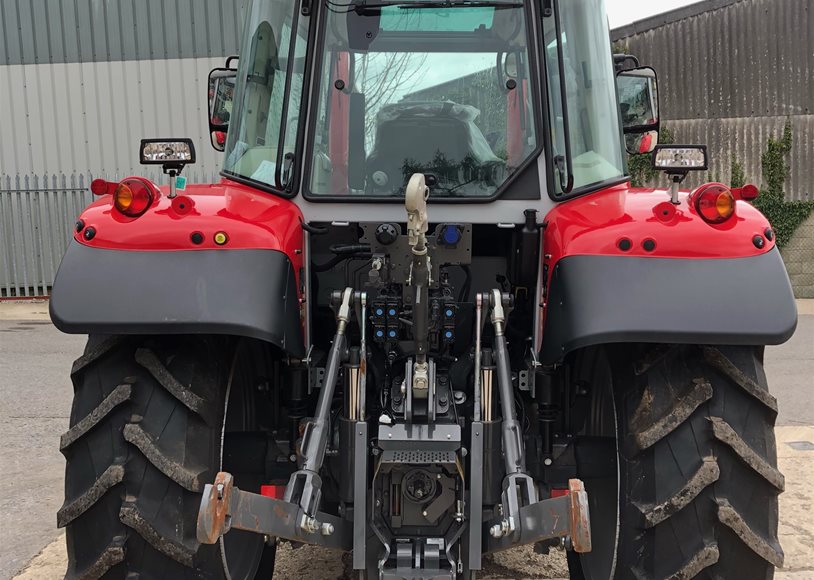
<point x="639" y="105"/>
<point x="641" y="142"/>
<point x="220" y="98"/>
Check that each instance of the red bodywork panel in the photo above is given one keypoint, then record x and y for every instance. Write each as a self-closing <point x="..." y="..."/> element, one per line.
<point x="250" y="218"/>
<point x="595" y="224"/>
<point x="590" y="225"/>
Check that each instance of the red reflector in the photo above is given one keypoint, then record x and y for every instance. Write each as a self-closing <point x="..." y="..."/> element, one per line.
<point x="273" y="491"/>
<point x="102" y="187"/>
<point x="556" y="492"/>
<point x="748" y="192"/>
<point x="132" y="197"/>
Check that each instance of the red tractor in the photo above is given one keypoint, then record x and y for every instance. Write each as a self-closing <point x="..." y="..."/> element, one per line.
<point x="424" y="316"/>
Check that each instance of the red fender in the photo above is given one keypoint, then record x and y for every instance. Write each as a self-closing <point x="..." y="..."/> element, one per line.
<point x="251" y="219"/>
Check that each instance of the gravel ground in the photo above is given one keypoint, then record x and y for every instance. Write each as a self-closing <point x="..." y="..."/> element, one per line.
<point x="517" y="563"/>
<point x="322" y="564"/>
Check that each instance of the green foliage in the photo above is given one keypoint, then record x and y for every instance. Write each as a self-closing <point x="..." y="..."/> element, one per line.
<point x="773" y="162"/>
<point x="785" y="216"/>
<point x="640" y="166"/>
<point x="620" y="47"/>
<point x="737" y="175"/>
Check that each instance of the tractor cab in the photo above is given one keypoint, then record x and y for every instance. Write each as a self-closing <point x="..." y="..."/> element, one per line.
<point x="489" y="100"/>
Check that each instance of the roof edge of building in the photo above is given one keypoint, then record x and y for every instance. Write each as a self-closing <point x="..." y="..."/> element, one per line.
<point x="669" y="17"/>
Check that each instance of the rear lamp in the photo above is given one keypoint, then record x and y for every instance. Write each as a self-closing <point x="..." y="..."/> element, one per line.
<point x="132" y="197"/>
<point x="715" y="203"/>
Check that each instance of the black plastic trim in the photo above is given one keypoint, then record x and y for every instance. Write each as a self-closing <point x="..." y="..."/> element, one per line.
<point x="612" y="299"/>
<point x="249" y="293"/>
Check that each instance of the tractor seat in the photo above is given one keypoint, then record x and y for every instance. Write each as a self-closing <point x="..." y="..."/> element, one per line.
<point x="436" y="138"/>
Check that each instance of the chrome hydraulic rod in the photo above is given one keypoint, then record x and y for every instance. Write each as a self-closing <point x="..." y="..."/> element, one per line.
<point x="478" y="316"/>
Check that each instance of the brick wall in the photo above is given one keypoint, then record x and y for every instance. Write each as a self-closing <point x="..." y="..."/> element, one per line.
<point x="799" y="257"/>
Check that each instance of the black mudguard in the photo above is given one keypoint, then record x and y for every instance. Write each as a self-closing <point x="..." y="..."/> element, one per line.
<point x="611" y="299"/>
<point x="249" y="293"/>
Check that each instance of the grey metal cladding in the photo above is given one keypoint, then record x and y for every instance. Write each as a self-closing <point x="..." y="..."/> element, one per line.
<point x="66" y="31"/>
<point x="726" y="58"/>
<point x="731" y="73"/>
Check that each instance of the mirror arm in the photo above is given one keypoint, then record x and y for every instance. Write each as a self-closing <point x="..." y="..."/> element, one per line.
<point x="619" y="61"/>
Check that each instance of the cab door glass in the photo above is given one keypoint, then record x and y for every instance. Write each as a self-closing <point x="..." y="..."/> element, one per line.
<point x="593" y="117"/>
<point x="266" y="114"/>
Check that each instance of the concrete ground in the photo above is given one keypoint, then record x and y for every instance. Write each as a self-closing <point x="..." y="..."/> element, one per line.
<point x="35" y="398"/>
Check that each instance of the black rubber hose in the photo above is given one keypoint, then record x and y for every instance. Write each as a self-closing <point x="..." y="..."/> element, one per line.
<point x="467" y="285"/>
<point x="314" y="230"/>
<point x="337" y="260"/>
<point x="345" y="249"/>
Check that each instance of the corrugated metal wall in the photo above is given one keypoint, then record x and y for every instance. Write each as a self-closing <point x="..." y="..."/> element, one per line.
<point x="81" y="83"/>
<point x="36" y="223"/>
<point x="730" y="73"/>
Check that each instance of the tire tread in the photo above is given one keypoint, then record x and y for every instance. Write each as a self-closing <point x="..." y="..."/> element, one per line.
<point x="119" y="395"/>
<point x="699" y="475"/>
<point x="112" y="476"/>
<point x="190" y="480"/>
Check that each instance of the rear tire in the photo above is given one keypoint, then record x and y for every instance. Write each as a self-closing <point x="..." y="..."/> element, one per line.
<point x="697" y="469"/>
<point x="145" y="436"/>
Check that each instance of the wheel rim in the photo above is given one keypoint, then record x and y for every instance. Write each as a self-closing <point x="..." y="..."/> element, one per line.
<point x="241" y="551"/>
<point x="603" y="493"/>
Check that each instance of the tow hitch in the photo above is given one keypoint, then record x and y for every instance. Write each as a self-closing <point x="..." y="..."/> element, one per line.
<point x="225" y="507"/>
